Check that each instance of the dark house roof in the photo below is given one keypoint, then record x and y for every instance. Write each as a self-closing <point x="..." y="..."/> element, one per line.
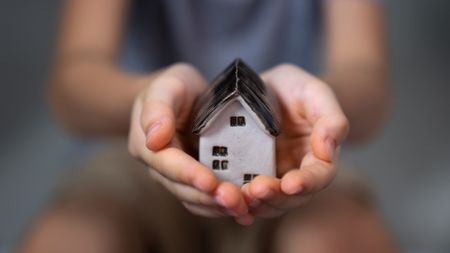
<point x="237" y="80"/>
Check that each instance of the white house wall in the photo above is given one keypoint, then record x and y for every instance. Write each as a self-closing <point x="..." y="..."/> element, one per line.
<point x="250" y="149"/>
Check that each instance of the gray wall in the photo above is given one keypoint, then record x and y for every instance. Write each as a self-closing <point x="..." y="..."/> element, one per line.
<point x="409" y="164"/>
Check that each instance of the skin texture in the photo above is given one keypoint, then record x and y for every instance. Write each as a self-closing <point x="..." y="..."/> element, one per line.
<point x="312" y="128"/>
<point x="92" y="96"/>
<point x="159" y="134"/>
<point x="356" y="62"/>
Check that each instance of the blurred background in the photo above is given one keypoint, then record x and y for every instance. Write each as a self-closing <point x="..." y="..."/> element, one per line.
<point x="408" y="164"/>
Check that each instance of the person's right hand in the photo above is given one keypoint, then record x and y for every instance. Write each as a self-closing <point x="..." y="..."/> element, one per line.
<point x="160" y="132"/>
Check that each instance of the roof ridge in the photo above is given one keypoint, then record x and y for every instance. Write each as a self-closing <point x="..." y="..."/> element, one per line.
<point x="238" y="79"/>
<point x="236" y="73"/>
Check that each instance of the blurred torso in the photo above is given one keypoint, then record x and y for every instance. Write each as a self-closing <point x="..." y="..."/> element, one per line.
<point x="211" y="33"/>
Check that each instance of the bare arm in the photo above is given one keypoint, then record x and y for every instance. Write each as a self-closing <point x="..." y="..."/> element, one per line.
<point x="90" y="94"/>
<point x="313" y="122"/>
<point x="93" y="96"/>
<point x="355" y="63"/>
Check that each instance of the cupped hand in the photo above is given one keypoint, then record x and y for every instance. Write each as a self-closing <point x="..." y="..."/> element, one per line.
<point x="160" y="136"/>
<point x="312" y="128"/>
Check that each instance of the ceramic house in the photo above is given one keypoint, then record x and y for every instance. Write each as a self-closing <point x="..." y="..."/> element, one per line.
<point x="237" y="126"/>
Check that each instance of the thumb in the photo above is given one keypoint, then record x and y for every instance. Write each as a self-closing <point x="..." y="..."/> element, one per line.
<point x="328" y="134"/>
<point x="159" y="125"/>
<point x="168" y="100"/>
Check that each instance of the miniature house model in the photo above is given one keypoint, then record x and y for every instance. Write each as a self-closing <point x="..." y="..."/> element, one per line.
<point x="237" y="126"/>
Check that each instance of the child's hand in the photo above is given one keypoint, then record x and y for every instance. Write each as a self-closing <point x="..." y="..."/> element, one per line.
<point x="312" y="128"/>
<point x="160" y="134"/>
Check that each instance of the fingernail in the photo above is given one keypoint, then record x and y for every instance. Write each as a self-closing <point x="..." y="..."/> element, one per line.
<point x="153" y="129"/>
<point x="331" y="146"/>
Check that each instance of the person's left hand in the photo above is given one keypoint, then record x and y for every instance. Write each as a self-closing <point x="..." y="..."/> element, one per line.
<point x="312" y="128"/>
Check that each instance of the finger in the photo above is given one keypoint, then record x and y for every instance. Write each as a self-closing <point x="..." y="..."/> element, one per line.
<point x="303" y="94"/>
<point x="171" y="95"/>
<point x="183" y="192"/>
<point x="264" y="187"/>
<point x="330" y="126"/>
<point x="206" y="211"/>
<point x="136" y="139"/>
<point x="246" y="194"/>
<point x="178" y="166"/>
<point x="266" y="190"/>
<point x="273" y="202"/>
<point x="327" y="135"/>
<point x="245" y="220"/>
<point x="314" y="175"/>
<point x="257" y="192"/>
<point x="230" y="197"/>
<point x="281" y="203"/>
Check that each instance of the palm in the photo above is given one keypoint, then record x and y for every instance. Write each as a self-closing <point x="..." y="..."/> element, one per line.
<point x="292" y="144"/>
<point x="312" y="126"/>
<point x="294" y="141"/>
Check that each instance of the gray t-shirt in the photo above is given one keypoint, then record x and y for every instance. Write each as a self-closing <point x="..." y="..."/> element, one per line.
<point x="211" y="33"/>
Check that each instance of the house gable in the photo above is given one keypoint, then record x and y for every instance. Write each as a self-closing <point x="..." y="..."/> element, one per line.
<point x="242" y="102"/>
<point x="238" y="81"/>
<point x="235" y="151"/>
<point x="237" y="126"/>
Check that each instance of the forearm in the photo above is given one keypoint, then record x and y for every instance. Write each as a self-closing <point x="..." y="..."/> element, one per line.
<point x="89" y="93"/>
<point x="94" y="97"/>
<point x="364" y="94"/>
<point x="356" y="62"/>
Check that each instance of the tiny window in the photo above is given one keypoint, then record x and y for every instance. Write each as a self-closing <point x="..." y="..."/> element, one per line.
<point x="215" y="165"/>
<point x="241" y="121"/>
<point x="233" y="121"/>
<point x="237" y="121"/>
<point x="224" y="165"/>
<point x="219" y="151"/>
<point x="249" y="177"/>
